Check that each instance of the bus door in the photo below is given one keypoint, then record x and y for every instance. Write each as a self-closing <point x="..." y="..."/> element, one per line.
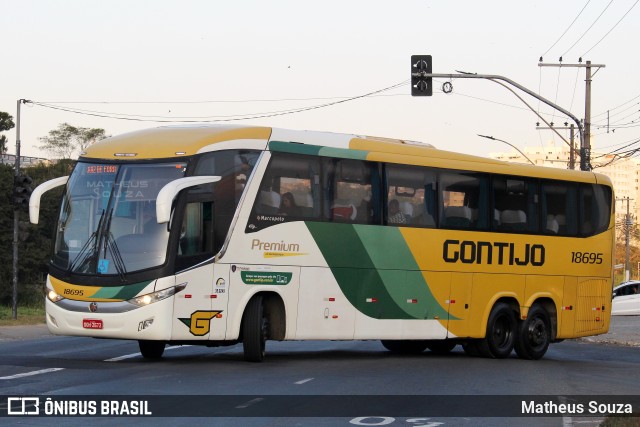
<point x="199" y="310"/>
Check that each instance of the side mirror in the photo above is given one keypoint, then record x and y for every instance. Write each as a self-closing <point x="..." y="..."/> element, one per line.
<point x="171" y="190"/>
<point x="34" y="200"/>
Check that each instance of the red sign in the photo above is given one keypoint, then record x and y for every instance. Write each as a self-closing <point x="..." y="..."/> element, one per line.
<point x="92" y="323"/>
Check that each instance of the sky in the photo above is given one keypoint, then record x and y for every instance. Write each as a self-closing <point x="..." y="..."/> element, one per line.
<point x="162" y="62"/>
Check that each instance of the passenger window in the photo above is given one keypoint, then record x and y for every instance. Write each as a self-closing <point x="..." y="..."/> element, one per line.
<point x="515" y="205"/>
<point x="595" y="209"/>
<point x="352" y="189"/>
<point x="559" y="207"/>
<point x="290" y="191"/>
<point x="463" y="200"/>
<point x="411" y="196"/>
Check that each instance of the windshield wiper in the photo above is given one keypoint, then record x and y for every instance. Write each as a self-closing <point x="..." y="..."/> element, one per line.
<point x="110" y="245"/>
<point x="84" y="255"/>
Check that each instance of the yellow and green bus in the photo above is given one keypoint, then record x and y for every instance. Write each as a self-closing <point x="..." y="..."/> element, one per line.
<point x="216" y="235"/>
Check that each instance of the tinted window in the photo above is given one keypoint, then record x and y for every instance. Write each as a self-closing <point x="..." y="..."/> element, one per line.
<point x="559" y="207"/>
<point x="515" y="204"/>
<point x="411" y="196"/>
<point x="352" y="191"/>
<point x="463" y="200"/>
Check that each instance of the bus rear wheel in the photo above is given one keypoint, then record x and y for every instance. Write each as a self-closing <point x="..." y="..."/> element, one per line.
<point x="405" y="346"/>
<point x="534" y="334"/>
<point x="501" y="332"/>
<point x="151" y="349"/>
<point x="255" y="331"/>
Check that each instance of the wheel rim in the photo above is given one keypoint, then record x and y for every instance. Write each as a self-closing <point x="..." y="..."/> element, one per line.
<point x="502" y="332"/>
<point x="537" y="333"/>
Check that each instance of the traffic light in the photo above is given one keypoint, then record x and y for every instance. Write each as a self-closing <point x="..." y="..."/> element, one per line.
<point x="21" y="191"/>
<point x="421" y="85"/>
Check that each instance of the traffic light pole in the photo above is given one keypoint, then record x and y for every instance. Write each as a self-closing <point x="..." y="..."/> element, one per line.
<point x="584" y="161"/>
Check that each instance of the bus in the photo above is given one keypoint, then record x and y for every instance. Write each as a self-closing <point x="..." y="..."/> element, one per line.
<point x="219" y="235"/>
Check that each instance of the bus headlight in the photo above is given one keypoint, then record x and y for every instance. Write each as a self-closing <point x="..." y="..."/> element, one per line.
<point x="147" y="299"/>
<point x="53" y="295"/>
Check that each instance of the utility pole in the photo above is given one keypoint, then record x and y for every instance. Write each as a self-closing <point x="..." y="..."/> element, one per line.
<point x="16" y="220"/>
<point x="572" y="146"/>
<point x="585" y="148"/>
<point x="16" y="215"/>
<point x="628" y="222"/>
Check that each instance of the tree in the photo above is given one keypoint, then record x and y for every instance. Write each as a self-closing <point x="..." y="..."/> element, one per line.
<point x="66" y="139"/>
<point x="6" y="123"/>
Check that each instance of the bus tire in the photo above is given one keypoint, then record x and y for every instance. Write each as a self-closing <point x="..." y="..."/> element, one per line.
<point x="534" y="334"/>
<point x="255" y="330"/>
<point x="405" y="346"/>
<point x="441" y="347"/>
<point x="151" y="349"/>
<point x="501" y="333"/>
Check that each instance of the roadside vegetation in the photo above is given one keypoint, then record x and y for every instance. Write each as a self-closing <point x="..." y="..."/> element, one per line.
<point x="27" y="315"/>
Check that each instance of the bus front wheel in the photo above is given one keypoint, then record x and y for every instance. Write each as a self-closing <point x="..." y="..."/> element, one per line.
<point x="151" y="349"/>
<point x="534" y="334"/>
<point x="255" y="331"/>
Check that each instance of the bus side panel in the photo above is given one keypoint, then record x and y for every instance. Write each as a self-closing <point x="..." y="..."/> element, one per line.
<point x="247" y="280"/>
<point x="459" y="301"/>
<point x="324" y="310"/>
<point x="567" y="312"/>
<point x="487" y="289"/>
<point x="193" y="316"/>
<point x="593" y="306"/>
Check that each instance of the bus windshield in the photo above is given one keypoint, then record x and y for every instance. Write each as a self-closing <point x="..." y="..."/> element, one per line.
<point x="107" y="222"/>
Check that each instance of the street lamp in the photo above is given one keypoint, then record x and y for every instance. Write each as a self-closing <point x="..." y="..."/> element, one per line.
<point x="508" y="143"/>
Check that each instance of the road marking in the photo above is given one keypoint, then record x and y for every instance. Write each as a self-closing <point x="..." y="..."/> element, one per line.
<point x="132" y="355"/>
<point x="28" y="374"/>
<point x="303" y="381"/>
<point x="249" y="403"/>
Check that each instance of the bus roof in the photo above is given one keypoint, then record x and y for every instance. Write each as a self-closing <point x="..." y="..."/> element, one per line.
<point x="178" y="141"/>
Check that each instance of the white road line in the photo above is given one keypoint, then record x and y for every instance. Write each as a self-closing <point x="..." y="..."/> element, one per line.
<point x="249" y="403"/>
<point x="303" y="381"/>
<point x="28" y="374"/>
<point x="132" y="355"/>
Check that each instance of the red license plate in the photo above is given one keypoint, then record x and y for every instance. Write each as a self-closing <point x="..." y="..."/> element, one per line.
<point x="92" y="323"/>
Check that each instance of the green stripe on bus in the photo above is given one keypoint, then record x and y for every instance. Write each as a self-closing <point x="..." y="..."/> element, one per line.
<point x="120" y="292"/>
<point x="316" y="150"/>
<point x="379" y="282"/>
<point x="400" y="271"/>
<point x="290" y="147"/>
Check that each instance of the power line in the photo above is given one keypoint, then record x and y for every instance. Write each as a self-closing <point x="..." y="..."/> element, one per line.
<point x="603" y="37"/>
<point x="163" y="119"/>
<point x="621" y="105"/>
<point x="565" y="31"/>
<point x="591" y="26"/>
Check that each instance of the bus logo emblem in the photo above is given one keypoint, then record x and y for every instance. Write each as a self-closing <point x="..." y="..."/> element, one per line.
<point x="199" y="323"/>
<point x="93" y="307"/>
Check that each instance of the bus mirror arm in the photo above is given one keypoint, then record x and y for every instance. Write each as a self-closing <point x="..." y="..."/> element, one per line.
<point x="171" y="190"/>
<point x="34" y="199"/>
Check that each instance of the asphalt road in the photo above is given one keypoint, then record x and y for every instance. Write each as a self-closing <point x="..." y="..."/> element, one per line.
<point x="360" y="381"/>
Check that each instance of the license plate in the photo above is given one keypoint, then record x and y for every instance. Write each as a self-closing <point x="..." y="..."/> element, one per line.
<point x="92" y="323"/>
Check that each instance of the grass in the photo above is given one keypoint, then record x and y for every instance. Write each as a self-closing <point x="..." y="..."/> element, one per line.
<point x="26" y="316"/>
<point x="620" y="421"/>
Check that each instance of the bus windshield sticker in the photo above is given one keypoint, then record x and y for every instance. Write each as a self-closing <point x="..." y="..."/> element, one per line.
<point x="103" y="266"/>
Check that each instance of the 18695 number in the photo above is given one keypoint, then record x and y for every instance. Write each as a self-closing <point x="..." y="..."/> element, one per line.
<point x="586" y="257"/>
